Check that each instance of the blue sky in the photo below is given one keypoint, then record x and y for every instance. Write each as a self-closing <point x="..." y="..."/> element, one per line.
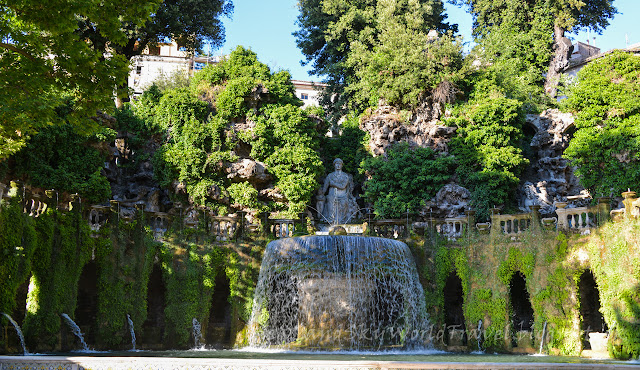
<point x="266" y="26"/>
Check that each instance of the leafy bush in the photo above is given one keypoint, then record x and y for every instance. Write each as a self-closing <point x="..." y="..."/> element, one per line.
<point x="405" y="179"/>
<point x="606" y="145"/>
<point x="62" y="159"/>
<point x="488" y="150"/>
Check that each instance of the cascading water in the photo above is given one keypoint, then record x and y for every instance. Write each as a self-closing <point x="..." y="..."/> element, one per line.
<point x="347" y="292"/>
<point x="76" y="331"/>
<point x="196" y="331"/>
<point x="19" y="332"/>
<point x="133" y="333"/>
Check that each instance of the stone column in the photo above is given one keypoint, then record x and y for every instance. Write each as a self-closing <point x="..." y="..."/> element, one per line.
<point x="629" y="198"/>
<point x="52" y="198"/>
<point x="604" y="207"/>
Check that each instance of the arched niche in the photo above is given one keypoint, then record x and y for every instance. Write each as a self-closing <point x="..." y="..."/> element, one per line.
<point x="218" y="334"/>
<point x="153" y="326"/>
<point x="87" y="302"/>
<point x="589" y="296"/>
<point x="521" y="310"/>
<point x="453" y="310"/>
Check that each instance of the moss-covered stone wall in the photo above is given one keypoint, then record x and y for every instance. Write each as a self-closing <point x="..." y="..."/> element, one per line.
<point x="51" y="251"/>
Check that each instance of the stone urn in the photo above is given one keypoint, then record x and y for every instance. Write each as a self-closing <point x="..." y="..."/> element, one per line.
<point x="548" y="223"/>
<point x="483" y="227"/>
<point x="560" y="205"/>
<point x="598" y="342"/>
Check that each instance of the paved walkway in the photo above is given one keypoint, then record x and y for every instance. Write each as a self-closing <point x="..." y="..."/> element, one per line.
<point x="169" y="363"/>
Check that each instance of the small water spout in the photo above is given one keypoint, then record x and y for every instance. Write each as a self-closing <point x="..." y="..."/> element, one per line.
<point x="197" y="333"/>
<point x="544" y="333"/>
<point x="19" y="332"/>
<point x="76" y="331"/>
<point x="133" y="333"/>
<point x="480" y="335"/>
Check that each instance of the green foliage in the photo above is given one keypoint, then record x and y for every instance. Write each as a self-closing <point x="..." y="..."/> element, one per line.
<point x="330" y="31"/>
<point x="64" y="246"/>
<point x="401" y="182"/>
<point x="18" y="244"/>
<point x="46" y="58"/>
<point x="615" y="258"/>
<point x="405" y="67"/>
<point x="287" y="140"/>
<point x="606" y="145"/>
<point x="350" y="146"/>
<point x="124" y="260"/>
<point x="203" y="139"/>
<point x="488" y="150"/>
<point x="189" y="272"/>
<point x="60" y="158"/>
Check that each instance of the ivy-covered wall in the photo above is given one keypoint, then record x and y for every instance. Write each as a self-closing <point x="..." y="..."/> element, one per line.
<point x="53" y="249"/>
<point x="551" y="263"/>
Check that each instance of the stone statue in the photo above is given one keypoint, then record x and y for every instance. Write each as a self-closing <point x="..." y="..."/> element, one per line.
<point x="339" y="206"/>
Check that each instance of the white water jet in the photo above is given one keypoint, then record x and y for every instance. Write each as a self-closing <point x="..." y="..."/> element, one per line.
<point x="76" y="331"/>
<point x="347" y="292"/>
<point x="544" y="333"/>
<point x="19" y="332"/>
<point x="196" y="331"/>
<point x="133" y="333"/>
<point x="479" y="335"/>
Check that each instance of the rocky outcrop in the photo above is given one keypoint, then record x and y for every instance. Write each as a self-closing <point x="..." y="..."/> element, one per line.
<point x="249" y="170"/>
<point x="450" y="201"/>
<point x="386" y="127"/>
<point x="549" y="177"/>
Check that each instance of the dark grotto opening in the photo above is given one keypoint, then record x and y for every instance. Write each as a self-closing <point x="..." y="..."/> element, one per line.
<point x="453" y="310"/>
<point x="86" y="311"/>
<point x="218" y="333"/>
<point x="153" y="327"/>
<point x="521" y="310"/>
<point x="589" y="296"/>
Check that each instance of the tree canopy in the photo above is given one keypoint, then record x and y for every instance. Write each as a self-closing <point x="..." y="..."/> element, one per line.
<point x="46" y="62"/>
<point x="329" y="31"/>
<point x="606" y="145"/>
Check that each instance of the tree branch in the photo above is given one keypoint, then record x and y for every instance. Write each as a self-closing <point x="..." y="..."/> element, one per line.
<point x="17" y="50"/>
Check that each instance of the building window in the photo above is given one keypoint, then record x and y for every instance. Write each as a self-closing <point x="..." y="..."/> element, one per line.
<point x="304" y="96"/>
<point x="138" y="70"/>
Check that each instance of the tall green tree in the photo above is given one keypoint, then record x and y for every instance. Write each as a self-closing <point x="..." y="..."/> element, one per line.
<point x="606" y="145"/>
<point x="329" y="29"/>
<point x="45" y="60"/>
<point x="191" y="23"/>
<point x="567" y="15"/>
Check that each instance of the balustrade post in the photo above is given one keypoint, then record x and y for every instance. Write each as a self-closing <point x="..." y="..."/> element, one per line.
<point x="495" y="222"/>
<point x="471" y="220"/>
<point x="139" y="206"/>
<point x="302" y="216"/>
<point x="75" y="204"/>
<point x="240" y="224"/>
<point x="604" y="207"/>
<point x="629" y="198"/>
<point x="563" y="223"/>
<point x="114" y="207"/>
<point x="51" y="199"/>
<point x="535" y="218"/>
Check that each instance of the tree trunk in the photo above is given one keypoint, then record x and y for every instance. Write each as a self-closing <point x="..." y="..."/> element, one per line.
<point x="562" y="49"/>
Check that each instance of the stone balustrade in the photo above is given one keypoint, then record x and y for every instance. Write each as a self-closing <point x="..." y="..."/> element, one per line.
<point x="282" y="227"/>
<point x="223" y="227"/>
<point x="392" y="229"/>
<point x="511" y="224"/>
<point x="577" y="219"/>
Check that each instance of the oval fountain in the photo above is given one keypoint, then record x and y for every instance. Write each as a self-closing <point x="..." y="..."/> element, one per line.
<point x="338" y="292"/>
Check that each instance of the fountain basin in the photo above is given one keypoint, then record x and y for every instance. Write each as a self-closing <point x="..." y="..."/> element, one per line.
<point x="347" y="292"/>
